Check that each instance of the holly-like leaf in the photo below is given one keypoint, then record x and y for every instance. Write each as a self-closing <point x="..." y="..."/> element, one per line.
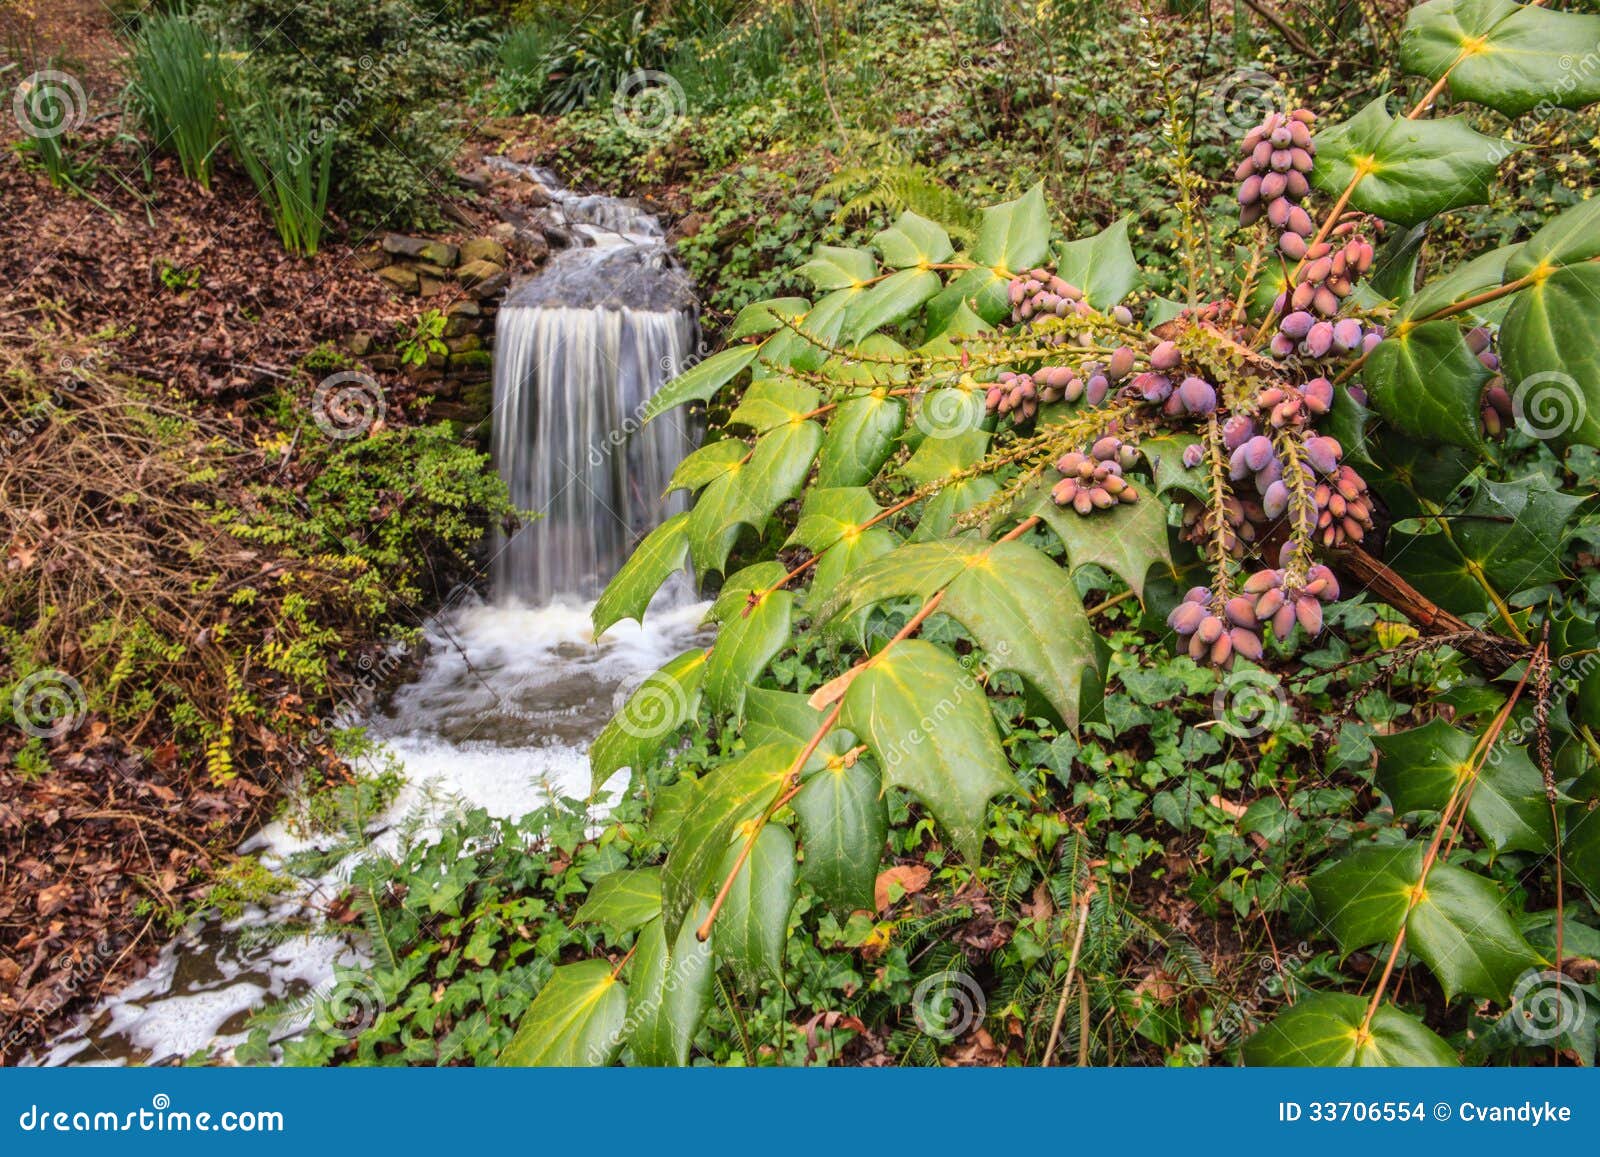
<point x="753" y="627"/>
<point x="761" y="317"/>
<point x="843" y="826"/>
<point x="1127" y="539"/>
<point x="1014" y="236"/>
<point x="1511" y="57"/>
<point x="627" y="596"/>
<point x="1419" y="768"/>
<point x="653" y="713"/>
<point x="668" y="993"/>
<point x="1426" y="382"/>
<point x="1102" y="266"/>
<point x="1550" y="344"/>
<point x="1165" y="455"/>
<point x="701" y="382"/>
<point x="754" y="922"/>
<point x="1485" y="271"/>
<point x="1410" y="169"/>
<point x="954" y="767"/>
<point x="725" y="798"/>
<point x="1325" y="1030"/>
<point x="893" y="299"/>
<point x="1362" y="897"/>
<point x="1570" y="237"/>
<point x="705" y="465"/>
<point x="913" y="241"/>
<point x="623" y="901"/>
<point x="578" y="1019"/>
<point x="748" y="494"/>
<point x="835" y="267"/>
<point x="773" y="402"/>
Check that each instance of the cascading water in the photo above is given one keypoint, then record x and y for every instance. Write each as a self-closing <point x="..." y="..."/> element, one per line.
<point x="579" y="350"/>
<point x="511" y="691"/>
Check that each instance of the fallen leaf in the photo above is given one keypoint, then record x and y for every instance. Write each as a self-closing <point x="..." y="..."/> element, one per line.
<point x="911" y="878"/>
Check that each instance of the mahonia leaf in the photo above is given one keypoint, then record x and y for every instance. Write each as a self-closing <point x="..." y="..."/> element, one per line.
<point x="668" y="993"/>
<point x="701" y="382"/>
<point x="835" y="267"/>
<point x="1426" y="381"/>
<point x="748" y="493"/>
<point x="623" y="901"/>
<point x="1412" y="169"/>
<point x="753" y="627"/>
<point x="913" y="241"/>
<point x="1508" y="56"/>
<point x="893" y="299"/>
<point x="1127" y="539"/>
<point x="754" y="922"/>
<point x="760" y="317"/>
<point x="1550" y="343"/>
<point x="843" y="825"/>
<point x="653" y="713"/>
<point x="627" y="596"/>
<point x="1324" y="1030"/>
<point x="578" y="1019"/>
<point x="954" y="766"/>
<point x="1102" y="266"/>
<point x="773" y="402"/>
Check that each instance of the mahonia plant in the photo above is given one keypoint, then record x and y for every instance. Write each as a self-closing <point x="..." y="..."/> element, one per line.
<point x="955" y="424"/>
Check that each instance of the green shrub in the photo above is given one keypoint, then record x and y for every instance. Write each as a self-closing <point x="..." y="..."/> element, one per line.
<point x="178" y="87"/>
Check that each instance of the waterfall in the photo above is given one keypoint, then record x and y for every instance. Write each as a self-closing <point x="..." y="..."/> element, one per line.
<point x="579" y="350"/>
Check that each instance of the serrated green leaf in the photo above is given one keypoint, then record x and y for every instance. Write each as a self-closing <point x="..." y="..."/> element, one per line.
<point x="1427" y="382"/>
<point x="577" y="1020"/>
<point x="623" y="900"/>
<point x="981" y="293"/>
<point x="1362" y="897"/>
<point x="701" y="382"/>
<point x="1102" y="266"/>
<point x="627" y="596"/>
<point x="1324" y="1030"/>
<point x="726" y="797"/>
<point x="668" y="994"/>
<point x="1419" y="768"/>
<point x="753" y="925"/>
<point x="1550" y="346"/>
<point x="748" y="494"/>
<point x="1508" y="56"/>
<point x="914" y="570"/>
<point x="751" y="633"/>
<point x="653" y="713"/>
<point x="913" y="241"/>
<point x="1014" y="236"/>
<point x="1571" y="236"/>
<point x="928" y="722"/>
<point x="707" y="464"/>
<point x="835" y="267"/>
<point x="1485" y="271"/>
<point x="1413" y="169"/>
<point x="861" y="436"/>
<point x="763" y="316"/>
<point x="843" y="825"/>
<point x="893" y="299"/>
<point x="772" y="402"/>
<point x="1165" y="455"/>
<point x="1127" y="539"/>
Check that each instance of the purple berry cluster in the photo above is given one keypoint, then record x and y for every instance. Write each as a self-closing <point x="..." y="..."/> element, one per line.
<point x="1177" y="395"/>
<point x="1302" y="333"/>
<point x="1329" y="273"/>
<point x="1274" y="178"/>
<point x="1094" y="481"/>
<point x="1040" y="293"/>
<point x="1238" y="627"/>
<point x="1495" y="411"/>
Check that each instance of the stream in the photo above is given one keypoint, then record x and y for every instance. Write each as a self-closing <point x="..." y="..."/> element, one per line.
<point x="511" y="687"/>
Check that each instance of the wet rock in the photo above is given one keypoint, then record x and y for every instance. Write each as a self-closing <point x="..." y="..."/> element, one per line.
<point x="401" y="278"/>
<point x="483" y="249"/>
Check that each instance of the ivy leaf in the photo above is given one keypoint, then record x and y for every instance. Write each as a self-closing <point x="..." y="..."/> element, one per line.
<point x="1508" y="56"/>
<point x="1324" y="1030"/>
<point x="578" y="1019"/>
<point x="623" y="901"/>
<point x="660" y="555"/>
<point x="1426" y="382"/>
<point x="1550" y="343"/>
<point x="668" y="993"/>
<point x="1102" y="266"/>
<point x="843" y="826"/>
<point x="1419" y="768"/>
<point x="1014" y="236"/>
<point x="725" y="798"/>
<point x="954" y="768"/>
<point x="656" y="709"/>
<point x="754" y="626"/>
<point x="835" y="267"/>
<point x="754" y="922"/>
<point x="699" y="383"/>
<point x="913" y="241"/>
<point x="1414" y="168"/>
<point x="1127" y="539"/>
<point x="893" y="299"/>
